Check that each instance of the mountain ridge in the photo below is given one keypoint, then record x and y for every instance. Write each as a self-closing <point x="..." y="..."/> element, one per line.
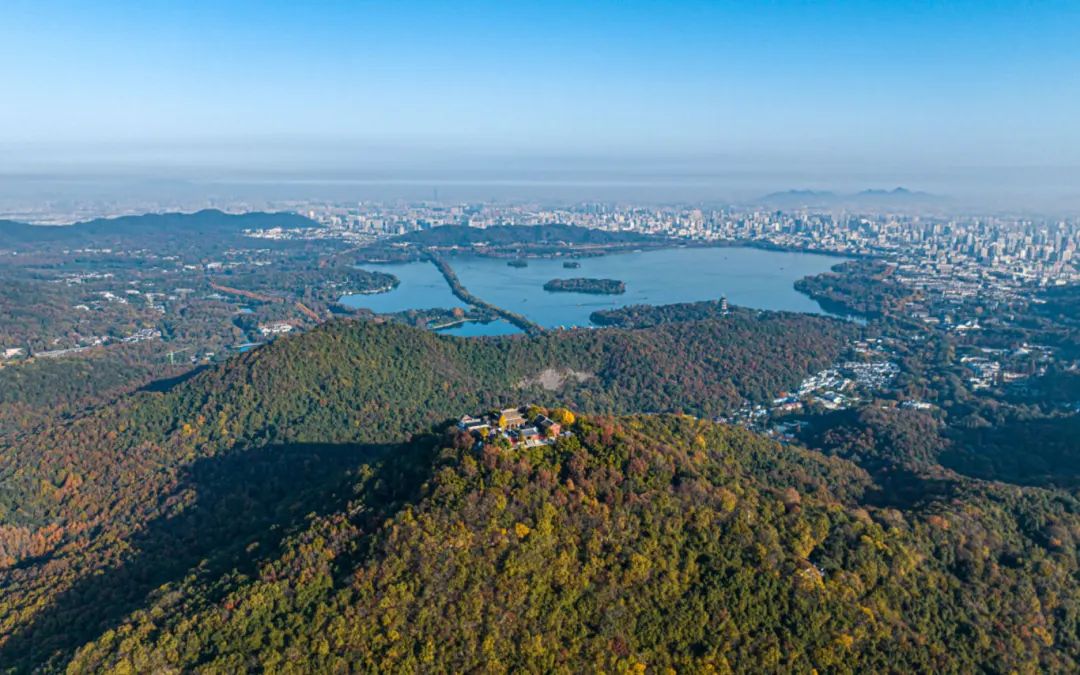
<point x="173" y="223"/>
<point x="641" y="543"/>
<point x="871" y="197"/>
<point x="307" y="502"/>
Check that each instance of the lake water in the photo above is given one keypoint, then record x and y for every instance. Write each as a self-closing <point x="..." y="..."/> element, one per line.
<point x="749" y="277"/>
<point x="421" y="287"/>
<point x="474" y="329"/>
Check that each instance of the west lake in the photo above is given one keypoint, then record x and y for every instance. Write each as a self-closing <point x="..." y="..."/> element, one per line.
<point x="749" y="277"/>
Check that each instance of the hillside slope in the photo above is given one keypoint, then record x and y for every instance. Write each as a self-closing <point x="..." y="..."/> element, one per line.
<point x="642" y="543"/>
<point x="130" y="480"/>
<point x="133" y="228"/>
<point x="294" y="507"/>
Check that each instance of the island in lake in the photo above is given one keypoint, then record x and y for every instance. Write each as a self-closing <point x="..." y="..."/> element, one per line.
<point x="583" y="285"/>
<point x="571" y="265"/>
<point x="518" y="263"/>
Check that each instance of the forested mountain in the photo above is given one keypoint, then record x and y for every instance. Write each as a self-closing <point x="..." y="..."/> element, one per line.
<point x="645" y="316"/>
<point x="368" y="382"/>
<point x="132" y="229"/>
<point x="642" y="543"/>
<point x="75" y="493"/>
<point x="50" y="388"/>
<point x="300" y="504"/>
<point x="861" y="287"/>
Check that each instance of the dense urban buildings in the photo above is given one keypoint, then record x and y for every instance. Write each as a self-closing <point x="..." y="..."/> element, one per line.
<point x="960" y="255"/>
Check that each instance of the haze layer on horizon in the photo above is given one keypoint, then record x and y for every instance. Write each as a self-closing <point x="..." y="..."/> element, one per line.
<point x="686" y="99"/>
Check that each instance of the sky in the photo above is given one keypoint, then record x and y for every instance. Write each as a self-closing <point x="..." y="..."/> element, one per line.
<point x="907" y="87"/>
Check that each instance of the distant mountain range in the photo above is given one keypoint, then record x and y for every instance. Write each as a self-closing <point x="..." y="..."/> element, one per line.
<point x="895" y="198"/>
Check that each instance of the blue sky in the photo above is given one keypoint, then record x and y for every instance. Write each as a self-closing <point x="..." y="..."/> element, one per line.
<point x="919" y="84"/>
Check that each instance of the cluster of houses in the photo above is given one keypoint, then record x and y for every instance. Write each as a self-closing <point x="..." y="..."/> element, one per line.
<point x="276" y="328"/>
<point x="516" y="425"/>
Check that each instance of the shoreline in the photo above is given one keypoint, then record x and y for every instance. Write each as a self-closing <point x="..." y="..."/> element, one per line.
<point x="463" y="294"/>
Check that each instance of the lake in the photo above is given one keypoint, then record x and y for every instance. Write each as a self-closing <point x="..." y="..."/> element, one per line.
<point x="749" y="277"/>
<point x="475" y="329"/>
